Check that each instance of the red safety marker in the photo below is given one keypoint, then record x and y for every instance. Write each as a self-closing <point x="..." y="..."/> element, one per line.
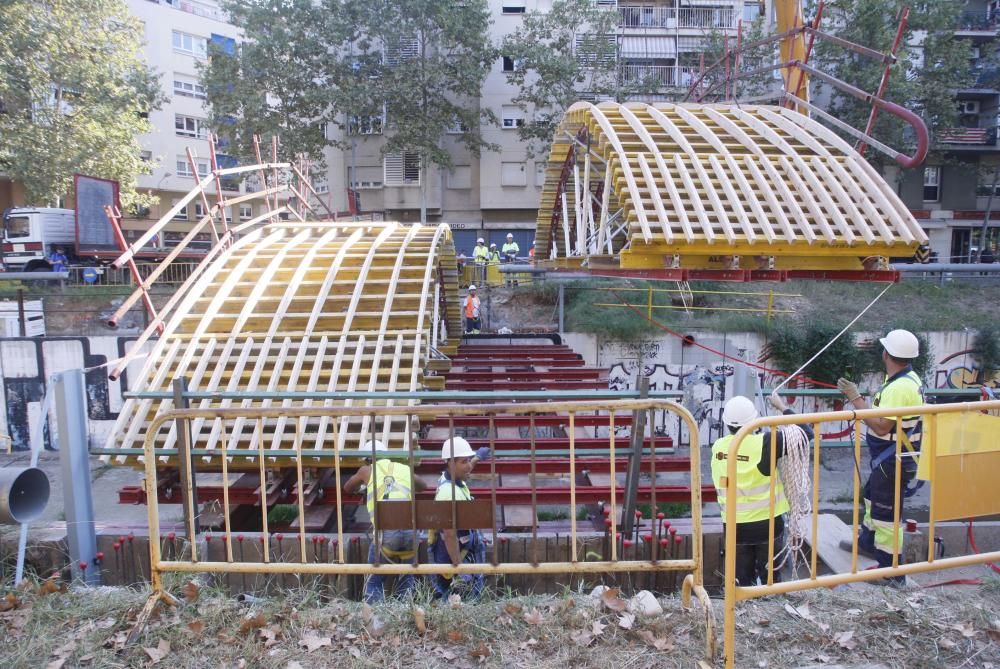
<point x="116" y="546"/>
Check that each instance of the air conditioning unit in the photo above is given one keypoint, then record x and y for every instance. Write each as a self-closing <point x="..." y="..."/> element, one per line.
<point x="968" y="106"/>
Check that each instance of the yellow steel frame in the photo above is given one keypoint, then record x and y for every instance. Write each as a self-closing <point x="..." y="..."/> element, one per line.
<point x="735" y="593"/>
<point x="693" y="582"/>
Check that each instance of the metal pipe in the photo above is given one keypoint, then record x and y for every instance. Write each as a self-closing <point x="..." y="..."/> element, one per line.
<point x="24" y="492"/>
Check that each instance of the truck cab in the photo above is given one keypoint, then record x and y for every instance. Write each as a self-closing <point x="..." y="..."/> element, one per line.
<point x="31" y="234"/>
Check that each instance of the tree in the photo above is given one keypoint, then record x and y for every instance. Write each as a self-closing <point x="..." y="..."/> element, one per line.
<point x="933" y="64"/>
<point x="74" y="95"/>
<point x="560" y="55"/>
<point x="274" y="82"/>
<point x="416" y="66"/>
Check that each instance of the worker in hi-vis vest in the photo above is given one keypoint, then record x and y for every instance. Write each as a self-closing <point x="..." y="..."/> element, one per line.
<point x="386" y="479"/>
<point x="455" y="545"/>
<point x="471" y="310"/>
<point x="902" y="388"/>
<point x="753" y="487"/>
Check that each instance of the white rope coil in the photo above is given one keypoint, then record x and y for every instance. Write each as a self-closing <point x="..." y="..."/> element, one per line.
<point x="794" y="469"/>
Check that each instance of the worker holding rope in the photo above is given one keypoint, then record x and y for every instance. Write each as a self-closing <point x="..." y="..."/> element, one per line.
<point x="753" y="487"/>
<point x="903" y="387"/>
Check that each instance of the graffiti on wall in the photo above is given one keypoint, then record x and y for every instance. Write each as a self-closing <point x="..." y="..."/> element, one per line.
<point x="27" y="364"/>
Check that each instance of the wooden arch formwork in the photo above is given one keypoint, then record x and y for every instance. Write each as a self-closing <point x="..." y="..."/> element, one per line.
<point x="716" y="191"/>
<point x="303" y="306"/>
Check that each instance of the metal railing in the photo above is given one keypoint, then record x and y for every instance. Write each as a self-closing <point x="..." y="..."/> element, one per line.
<point x="664" y="76"/>
<point x="173" y="274"/>
<point x="248" y="445"/>
<point x="973" y="20"/>
<point x="708" y="18"/>
<point x="650" y="305"/>
<point x="951" y="466"/>
<point x="646" y="17"/>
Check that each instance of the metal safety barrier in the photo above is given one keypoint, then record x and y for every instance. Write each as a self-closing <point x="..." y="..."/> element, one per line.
<point x="959" y="456"/>
<point x="303" y="440"/>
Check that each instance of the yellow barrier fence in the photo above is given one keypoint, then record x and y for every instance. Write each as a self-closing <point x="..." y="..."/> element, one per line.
<point x="959" y="458"/>
<point x="249" y="445"/>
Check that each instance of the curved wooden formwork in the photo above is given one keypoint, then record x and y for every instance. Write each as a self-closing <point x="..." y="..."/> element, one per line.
<point x="304" y="307"/>
<point x="724" y="187"/>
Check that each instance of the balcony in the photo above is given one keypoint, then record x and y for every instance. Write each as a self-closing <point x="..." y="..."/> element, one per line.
<point x="971" y="21"/>
<point x="658" y="76"/>
<point x="967" y="137"/>
<point x="704" y="18"/>
<point x="205" y="9"/>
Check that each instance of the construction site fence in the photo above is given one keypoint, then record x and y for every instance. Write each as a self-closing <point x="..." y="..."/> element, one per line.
<point x="650" y="305"/>
<point x="959" y="456"/>
<point x="491" y="275"/>
<point x="173" y="274"/>
<point x="308" y="453"/>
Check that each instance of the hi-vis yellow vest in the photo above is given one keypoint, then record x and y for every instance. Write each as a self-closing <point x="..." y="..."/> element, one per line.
<point x="393" y="479"/>
<point x="753" y="489"/>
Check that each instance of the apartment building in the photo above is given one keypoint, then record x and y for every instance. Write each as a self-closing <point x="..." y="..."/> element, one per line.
<point x="950" y="195"/>
<point x="498" y="193"/>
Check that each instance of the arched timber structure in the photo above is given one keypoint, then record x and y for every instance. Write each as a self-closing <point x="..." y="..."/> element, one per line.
<point x="303" y="307"/>
<point x="689" y="188"/>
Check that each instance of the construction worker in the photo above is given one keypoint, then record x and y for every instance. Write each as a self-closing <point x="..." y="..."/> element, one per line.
<point x="453" y="545"/>
<point x="58" y="260"/>
<point x="386" y="480"/>
<point x="753" y="487"/>
<point x="480" y="255"/>
<point x="493" y="256"/>
<point x="510" y="249"/>
<point x="531" y="251"/>
<point x="473" y="322"/>
<point x="902" y="388"/>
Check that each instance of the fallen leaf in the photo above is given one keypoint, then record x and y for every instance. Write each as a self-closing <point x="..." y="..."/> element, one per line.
<point x="612" y="601"/>
<point x="251" y="623"/>
<point x="482" y="651"/>
<point x="533" y="617"/>
<point x="946" y="643"/>
<point x="656" y="642"/>
<point x="853" y="612"/>
<point x="270" y="635"/>
<point x="895" y="645"/>
<point x="418" y="619"/>
<point x="526" y="645"/>
<point x="311" y="641"/>
<point x="48" y="586"/>
<point x="823" y="659"/>
<point x="626" y="620"/>
<point x="513" y="608"/>
<point x="846" y="640"/>
<point x="366" y="612"/>
<point x="597" y="628"/>
<point x="764" y="623"/>
<point x="376" y="627"/>
<point x="105" y="623"/>
<point x="10" y="602"/>
<point x="161" y="651"/>
<point x="914" y="602"/>
<point x="583" y="639"/>
<point x="456" y="636"/>
<point x="454" y="601"/>
<point x="191" y="591"/>
<point x="196" y="626"/>
<point x="56" y="664"/>
<point x="966" y="630"/>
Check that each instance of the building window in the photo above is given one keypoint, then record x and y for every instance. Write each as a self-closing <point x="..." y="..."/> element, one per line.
<point x="246" y="212"/>
<point x="402" y="49"/>
<point x="365" y="124"/>
<point x="199" y="211"/>
<point x="146" y="156"/>
<point x="751" y="10"/>
<point x="189" y="126"/>
<point x="511" y="64"/>
<point x="184" y="168"/>
<point x="180" y="215"/>
<point x="188" y="86"/>
<point x="513" y="116"/>
<point x="513" y="6"/>
<point x="190" y="44"/>
<point x="402" y="169"/>
<point x="595" y="49"/>
<point x="366" y="177"/>
<point x="457" y="127"/>
<point x="513" y="174"/>
<point x="932" y="184"/>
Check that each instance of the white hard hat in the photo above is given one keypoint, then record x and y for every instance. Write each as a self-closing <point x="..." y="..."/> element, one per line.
<point x="510" y="235"/>
<point x="374" y="445"/>
<point x="493" y="246"/>
<point x="739" y="411"/>
<point x="533" y="241"/>
<point x="456" y="447"/>
<point x="472" y="287"/>
<point x="480" y="241"/>
<point x="901" y="344"/>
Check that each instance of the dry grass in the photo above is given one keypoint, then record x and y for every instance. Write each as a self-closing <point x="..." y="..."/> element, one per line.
<point x="943" y="627"/>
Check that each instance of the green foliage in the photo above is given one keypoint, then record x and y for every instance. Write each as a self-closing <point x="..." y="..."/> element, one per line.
<point x="792" y="344"/>
<point x="282" y="514"/>
<point x="554" y="71"/>
<point x="986" y="350"/>
<point x="74" y="95"/>
<point x="583" y="313"/>
<point x="750" y="59"/>
<point x="670" y="510"/>
<point x="932" y="63"/>
<point x="304" y="65"/>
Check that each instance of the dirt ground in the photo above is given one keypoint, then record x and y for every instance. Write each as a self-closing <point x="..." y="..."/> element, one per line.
<point x="855" y="626"/>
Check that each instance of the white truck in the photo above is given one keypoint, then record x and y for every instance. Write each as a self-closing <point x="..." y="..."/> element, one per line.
<point x="31" y="235"/>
